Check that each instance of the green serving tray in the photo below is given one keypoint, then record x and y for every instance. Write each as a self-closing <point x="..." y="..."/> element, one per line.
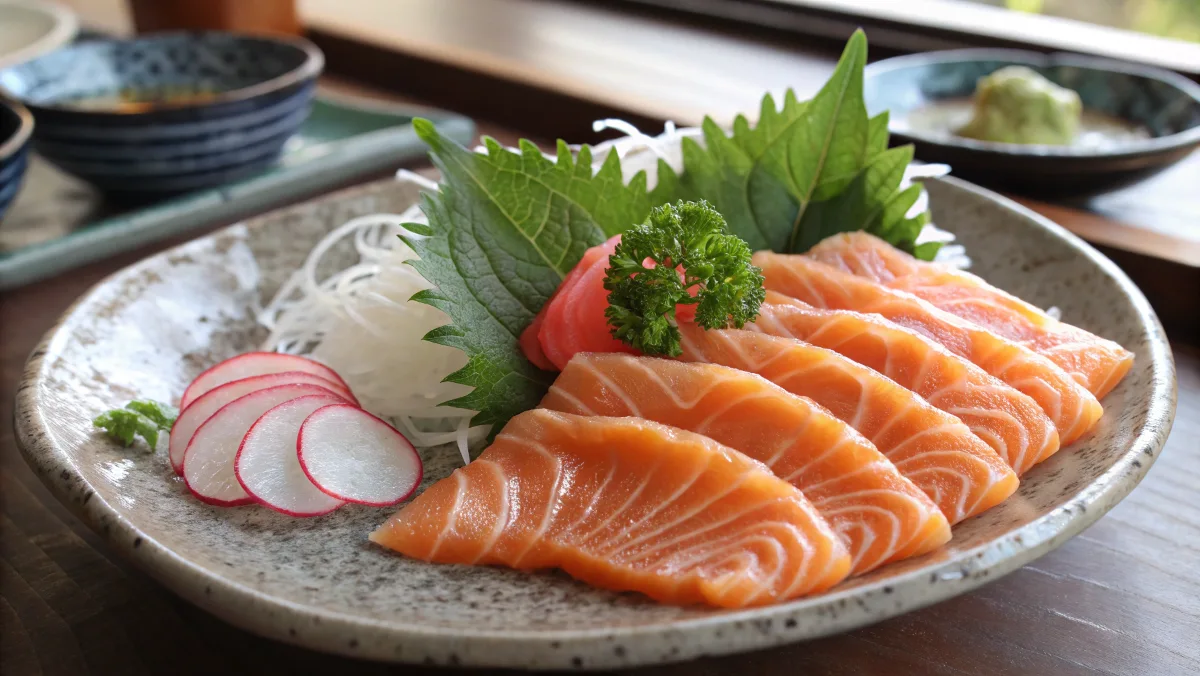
<point x="58" y="222"/>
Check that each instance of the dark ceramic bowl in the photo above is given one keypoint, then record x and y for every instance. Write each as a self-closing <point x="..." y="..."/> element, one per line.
<point x="1164" y="106"/>
<point x="167" y="113"/>
<point x="16" y="125"/>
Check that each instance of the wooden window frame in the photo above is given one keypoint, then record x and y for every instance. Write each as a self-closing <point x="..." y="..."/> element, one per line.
<point x="904" y="26"/>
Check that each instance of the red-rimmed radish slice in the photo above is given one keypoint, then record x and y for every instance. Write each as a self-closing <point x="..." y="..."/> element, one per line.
<point x="192" y="417"/>
<point x="259" y="364"/>
<point x="354" y="456"/>
<point x="268" y="467"/>
<point x="208" y="460"/>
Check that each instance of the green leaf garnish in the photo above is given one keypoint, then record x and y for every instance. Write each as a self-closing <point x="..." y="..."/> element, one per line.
<point x="861" y="205"/>
<point x="824" y="153"/>
<point x="756" y="206"/>
<point x="689" y="236"/>
<point x="504" y="229"/>
<point x="140" y="417"/>
<point x="877" y="134"/>
<point x="788" y="181"/>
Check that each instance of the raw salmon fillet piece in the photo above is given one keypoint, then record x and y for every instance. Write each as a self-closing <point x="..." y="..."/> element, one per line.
<point x="1070" y="405"/>
<point x="629" y="505"/>
<point x="1097" y="363"/>
<point x="573" y="319"/>
<point x="1010" y="422"/>
<point x="935" y="450"/>
<point x="879" y="514"/>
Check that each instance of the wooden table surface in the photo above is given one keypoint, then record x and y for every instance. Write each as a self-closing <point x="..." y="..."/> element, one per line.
<point x="1121" y="598"/>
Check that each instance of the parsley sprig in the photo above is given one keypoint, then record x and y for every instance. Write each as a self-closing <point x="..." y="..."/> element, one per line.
<point x="689" y="251"/>
<point x="140" y="417"/>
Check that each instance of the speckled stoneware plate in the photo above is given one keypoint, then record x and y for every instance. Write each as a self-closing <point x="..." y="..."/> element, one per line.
<point x="319" y="583"/>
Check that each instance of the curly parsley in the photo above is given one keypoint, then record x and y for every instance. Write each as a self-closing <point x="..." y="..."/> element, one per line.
<point x="689" y="251"/>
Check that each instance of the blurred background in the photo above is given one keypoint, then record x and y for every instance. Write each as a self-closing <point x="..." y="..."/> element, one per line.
<point x="1169" y="18"/>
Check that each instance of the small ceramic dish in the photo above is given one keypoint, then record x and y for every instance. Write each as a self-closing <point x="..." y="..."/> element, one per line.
<point x="168" y="113"/>
<point x="16" y="126"/>
<point x="29" y="29"/>
<point x="319" y="583"/>
<point x="1137" y="120"/>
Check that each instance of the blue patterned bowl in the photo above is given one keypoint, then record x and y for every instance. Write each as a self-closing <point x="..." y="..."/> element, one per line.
<point x="16" y="125"/>
<point x="1163" y="105"/>
<point x="168" y="113"/>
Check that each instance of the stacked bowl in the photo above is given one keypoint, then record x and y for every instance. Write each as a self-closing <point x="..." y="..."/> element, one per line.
<point x="169" y="113"/>
<point x="16" y="125"/>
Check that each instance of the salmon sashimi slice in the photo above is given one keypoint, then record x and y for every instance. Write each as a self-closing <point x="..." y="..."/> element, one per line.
<point x="1070" y="405"/>
<point x="1097" y="363"/>
<point x="1010" y="422"/>
<point x="629" y="505"/>
<point x="530" y="340"/>
<point x="879" y="514"/>
<point x="573" y="319"/>
<point x="961" y="473"/>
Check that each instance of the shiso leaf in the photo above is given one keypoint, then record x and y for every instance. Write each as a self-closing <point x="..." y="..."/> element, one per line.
<point x="504" y="229"/>
<point x="862" y="205"/>
<point x="772" y="180"/>
<point x="877" y="134"/>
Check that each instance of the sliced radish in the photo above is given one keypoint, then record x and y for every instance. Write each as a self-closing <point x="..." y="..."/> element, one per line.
<point x="208" y="460"/>
<point x="353" y="456"/>
<point x="208" y="403"/>
<point x="259" y="364"/>
<point x="268" y="467"/>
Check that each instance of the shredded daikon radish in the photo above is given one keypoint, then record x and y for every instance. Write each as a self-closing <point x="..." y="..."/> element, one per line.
<point x="348" y="307"/>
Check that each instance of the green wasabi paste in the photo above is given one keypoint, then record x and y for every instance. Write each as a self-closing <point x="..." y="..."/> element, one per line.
<point x="1017" y="105"/>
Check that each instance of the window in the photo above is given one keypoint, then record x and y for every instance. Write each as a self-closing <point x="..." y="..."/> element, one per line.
<point x="1179" y="19"/>
<point x="1164" y="33"/>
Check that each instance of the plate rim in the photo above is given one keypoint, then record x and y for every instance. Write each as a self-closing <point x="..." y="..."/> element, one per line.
<point x="65" y="28"/>
<point x="277" y="618"/>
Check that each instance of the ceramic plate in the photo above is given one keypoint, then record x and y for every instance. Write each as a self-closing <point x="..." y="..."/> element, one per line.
<point x="150" y="328"/>
<point x="1163" y="106"/>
